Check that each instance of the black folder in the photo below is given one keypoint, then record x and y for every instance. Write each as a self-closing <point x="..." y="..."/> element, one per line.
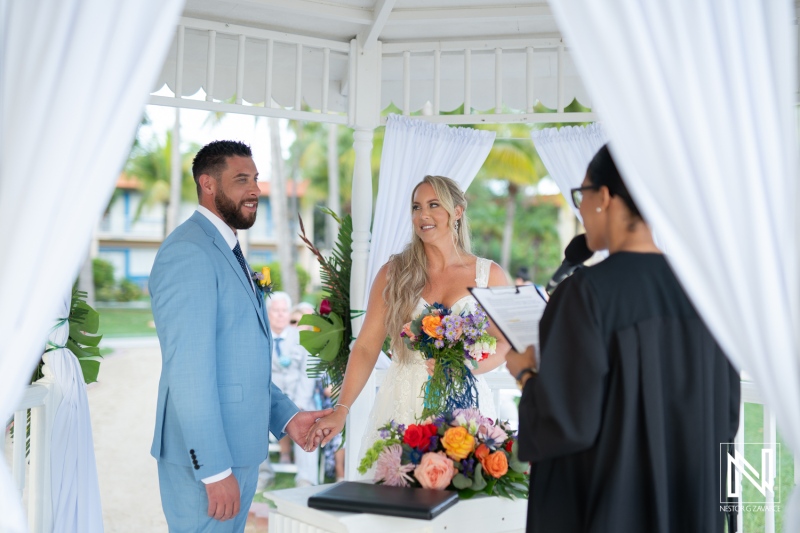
<point x="407" y="502"/>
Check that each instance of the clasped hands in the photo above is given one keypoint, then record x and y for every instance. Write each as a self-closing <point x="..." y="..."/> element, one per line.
<point x="223" y="495"/>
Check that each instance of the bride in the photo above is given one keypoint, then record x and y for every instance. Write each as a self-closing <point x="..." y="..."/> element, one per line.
<point x="436" y="266"/>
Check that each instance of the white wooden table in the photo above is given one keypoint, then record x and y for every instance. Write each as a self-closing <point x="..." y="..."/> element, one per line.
<point x="484" y="514"/>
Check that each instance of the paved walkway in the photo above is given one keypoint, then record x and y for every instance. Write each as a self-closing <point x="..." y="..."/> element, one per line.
<point x="123" y="407"/>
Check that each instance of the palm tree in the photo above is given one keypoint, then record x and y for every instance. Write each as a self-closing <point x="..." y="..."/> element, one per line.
<point x="513" y="160"/>
<point x="152" y="165"/>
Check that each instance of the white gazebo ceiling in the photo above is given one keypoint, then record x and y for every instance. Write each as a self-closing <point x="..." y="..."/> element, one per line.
<point x="513" y="47"/>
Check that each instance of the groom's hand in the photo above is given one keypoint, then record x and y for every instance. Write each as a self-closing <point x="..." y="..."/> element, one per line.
<point x="223" y="498"/>
<point x="298" y="427"/>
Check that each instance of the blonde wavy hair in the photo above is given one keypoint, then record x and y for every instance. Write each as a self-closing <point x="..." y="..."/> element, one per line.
<point x="407" y="274"/>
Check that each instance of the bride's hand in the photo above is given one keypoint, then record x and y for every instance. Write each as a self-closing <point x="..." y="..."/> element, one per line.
<point x="429" y="366"/>
<point x="325" y="428"/>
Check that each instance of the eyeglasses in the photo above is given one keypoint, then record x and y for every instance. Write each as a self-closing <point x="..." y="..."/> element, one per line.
<point x="577" y="194"/>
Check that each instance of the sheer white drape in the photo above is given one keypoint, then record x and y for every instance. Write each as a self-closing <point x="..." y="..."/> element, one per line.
<point x="73" y="487"/>
<point x="566" y="152"/>
<point x="74" y="78"/>
<point x="710" y="156"/>
<point x="413" y="149"/>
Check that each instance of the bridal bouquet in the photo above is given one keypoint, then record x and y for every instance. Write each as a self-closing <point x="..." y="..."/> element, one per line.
<point x="462" y="450"/>
<point x="456" y="342"/>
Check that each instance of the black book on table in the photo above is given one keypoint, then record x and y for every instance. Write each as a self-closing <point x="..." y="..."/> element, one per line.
<point x="408" y="502"/>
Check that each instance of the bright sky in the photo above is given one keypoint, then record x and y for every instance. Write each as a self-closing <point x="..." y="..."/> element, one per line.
<point x="246" y="129"/>
<point x="232" y="127"/>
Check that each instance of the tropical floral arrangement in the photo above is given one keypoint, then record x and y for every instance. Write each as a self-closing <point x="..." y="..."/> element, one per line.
<point x="456" y="342"/>
<point x="462" y="451"/>
<point x="329" y="340"/>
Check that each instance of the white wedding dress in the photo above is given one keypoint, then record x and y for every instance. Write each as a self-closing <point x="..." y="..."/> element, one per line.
<point x="400" y="395"/>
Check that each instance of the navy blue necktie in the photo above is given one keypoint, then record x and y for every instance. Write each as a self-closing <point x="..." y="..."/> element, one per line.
<point x="237" y="251"/>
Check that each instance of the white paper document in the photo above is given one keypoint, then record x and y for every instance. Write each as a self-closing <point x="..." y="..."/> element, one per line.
<point x="515" y="311"/>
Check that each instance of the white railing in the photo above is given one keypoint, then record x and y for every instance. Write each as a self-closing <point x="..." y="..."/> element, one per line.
<point x="238" y="66"/>
<point x="34" y="401"/>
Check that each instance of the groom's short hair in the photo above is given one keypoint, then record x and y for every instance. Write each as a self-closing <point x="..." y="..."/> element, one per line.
<point x="212" y="158"/>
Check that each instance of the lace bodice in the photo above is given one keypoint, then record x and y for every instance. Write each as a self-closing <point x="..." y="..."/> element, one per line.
<point x="400" y="396"/>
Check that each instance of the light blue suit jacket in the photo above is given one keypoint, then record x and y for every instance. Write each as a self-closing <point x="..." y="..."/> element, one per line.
<point x="216" y="400"/>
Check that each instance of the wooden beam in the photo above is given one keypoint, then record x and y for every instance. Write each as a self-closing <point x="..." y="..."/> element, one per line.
<point x="258" y="111"/>
<point x="312" y="8"/>
<point x="380" y="14"/>
<point x="407" y="17"/>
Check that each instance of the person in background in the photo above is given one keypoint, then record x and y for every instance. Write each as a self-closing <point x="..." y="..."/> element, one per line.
<point x="633" y="400"/>
<point x="333" y="454"/>
<point x="523" y="276"/>
<point x="289" y="372"/>
<point x="303" y="308"/>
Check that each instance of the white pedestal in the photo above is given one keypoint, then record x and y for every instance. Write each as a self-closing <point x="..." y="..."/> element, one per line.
<point x="484" y="514"/>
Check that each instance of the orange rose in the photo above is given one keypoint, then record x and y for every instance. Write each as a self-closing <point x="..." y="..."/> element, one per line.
<point x="435" y="471"/>
<point x="458" y="443"/>
<point x="429" y="325"/>
<point x="495" y="464"/>
<point x="482" y="452"/>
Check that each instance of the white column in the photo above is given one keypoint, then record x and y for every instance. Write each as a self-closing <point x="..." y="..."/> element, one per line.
<point x="176" y="176"/>
<point x="366" y="117"/>
<point x="334" y="204"/>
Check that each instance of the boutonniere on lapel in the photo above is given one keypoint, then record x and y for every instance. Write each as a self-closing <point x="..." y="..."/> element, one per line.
<point x="263" y="281"/>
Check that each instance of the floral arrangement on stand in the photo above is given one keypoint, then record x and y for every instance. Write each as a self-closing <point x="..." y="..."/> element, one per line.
<point x="456" y="342"/>
<point x="331" y="322"/>
<point x="462" y="451"/>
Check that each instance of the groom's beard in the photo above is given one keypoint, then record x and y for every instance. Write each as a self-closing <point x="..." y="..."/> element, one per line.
<point x="232" y="213"/>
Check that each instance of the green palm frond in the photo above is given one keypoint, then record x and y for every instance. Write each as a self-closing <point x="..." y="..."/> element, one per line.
<point x="330" y="346"/>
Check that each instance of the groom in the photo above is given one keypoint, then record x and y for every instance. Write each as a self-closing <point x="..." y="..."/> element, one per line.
<point x="216" y="401"/>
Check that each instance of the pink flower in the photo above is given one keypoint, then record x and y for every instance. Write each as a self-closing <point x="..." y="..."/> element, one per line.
<point x="389" y="469"/>
<point x="435" y="471"/>
<point x="324" y="307"/>
<point x="493" y="436"/>
<point x="406" y="332"/>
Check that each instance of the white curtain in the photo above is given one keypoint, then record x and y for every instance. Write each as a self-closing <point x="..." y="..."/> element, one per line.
<point x="74" y="78"/>
<point x="566" y="152"/>
<point x="698" y="99"/>
<point x="413" y="149"/>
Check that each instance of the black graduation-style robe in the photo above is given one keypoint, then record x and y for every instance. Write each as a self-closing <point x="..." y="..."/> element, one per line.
<point x="633" y="400"/>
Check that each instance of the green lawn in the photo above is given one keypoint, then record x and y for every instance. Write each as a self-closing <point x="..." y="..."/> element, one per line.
<point x="122" y="322"/>
<point x="754" y="433"/>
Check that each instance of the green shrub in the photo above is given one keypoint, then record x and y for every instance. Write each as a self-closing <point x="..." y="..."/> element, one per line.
<point x="128" y="291"/>
<point x="103" y="273"/>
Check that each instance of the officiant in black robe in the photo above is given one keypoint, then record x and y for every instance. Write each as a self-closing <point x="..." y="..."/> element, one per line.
<point x="633" y="402"/>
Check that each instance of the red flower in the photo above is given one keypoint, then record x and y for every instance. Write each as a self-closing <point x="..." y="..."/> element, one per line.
<point x="416" y="436"/>
<point x="509" y="444"/>
<point x="324" y="307"/>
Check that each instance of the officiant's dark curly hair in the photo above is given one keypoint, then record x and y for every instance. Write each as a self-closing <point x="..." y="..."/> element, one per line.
<point x="211" y="159"/>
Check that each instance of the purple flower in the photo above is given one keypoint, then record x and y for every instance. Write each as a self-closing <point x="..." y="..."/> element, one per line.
<point x="471" y="419"/>
<point x="439" y="343"/>
<point x="467" y="467"/>
<point x="389" y="467"/>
